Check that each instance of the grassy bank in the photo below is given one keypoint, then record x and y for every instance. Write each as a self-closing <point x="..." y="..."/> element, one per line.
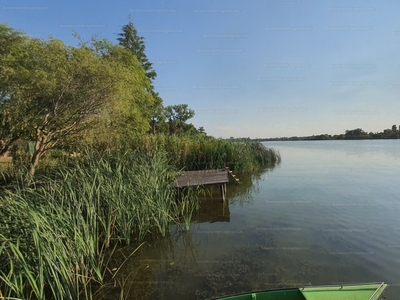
<point x="203" y="152"/>
<point x="55" y="234"/>
<point x="58" y="232"/>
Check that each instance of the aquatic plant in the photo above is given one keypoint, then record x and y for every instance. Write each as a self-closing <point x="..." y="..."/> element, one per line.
<point x="57" y="233"/>
<point x="202" y="152"/>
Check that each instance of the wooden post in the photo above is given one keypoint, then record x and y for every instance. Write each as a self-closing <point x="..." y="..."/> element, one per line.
<point x="223" y="189"/>
<point x="225" y="207"/>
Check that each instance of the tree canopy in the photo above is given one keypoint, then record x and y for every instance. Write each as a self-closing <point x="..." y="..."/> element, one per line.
<point x="50" y="91"/>
<point x="53" y="94"/>
<point x="12" y="44"/>
<point x="177" y="115"/>
<point x="162" y="119"/>
<point x="130" y="40"/>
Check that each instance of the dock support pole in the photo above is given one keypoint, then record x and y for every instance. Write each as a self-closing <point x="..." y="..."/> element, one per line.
<point x="225" y="209"/>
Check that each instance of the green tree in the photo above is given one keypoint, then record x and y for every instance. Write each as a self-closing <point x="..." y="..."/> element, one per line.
<point x="132" y="104"/>
<point x="177" y="115"/>
<point x="12" y="48"/>
<point x="130" y="40"/>
<point x="201" y="130"/>
<point x="395" y="133"/>
<point x="126" y="114"/>
<point x="157" y="120"/>
<point x="387" y="133"/>
<point x="356" y="134"/>
<point x="55" y="92"/>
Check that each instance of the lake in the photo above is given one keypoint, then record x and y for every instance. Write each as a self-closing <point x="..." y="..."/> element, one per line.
<point x="329" y="213"/>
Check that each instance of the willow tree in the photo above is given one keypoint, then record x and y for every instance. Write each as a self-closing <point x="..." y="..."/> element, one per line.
<point x="12" y="46"/>
<point x="130" y="111"/>
<point x="60" y="92"/>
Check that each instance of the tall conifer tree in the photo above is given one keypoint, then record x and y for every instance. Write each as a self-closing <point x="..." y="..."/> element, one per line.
<point x="129" y="39"/>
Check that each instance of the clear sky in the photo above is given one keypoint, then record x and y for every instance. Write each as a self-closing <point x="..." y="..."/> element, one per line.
<point x="256" y="68"/>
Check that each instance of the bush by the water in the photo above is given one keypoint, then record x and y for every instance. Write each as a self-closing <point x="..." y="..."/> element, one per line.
<point x="203" y="152"/>
<point x="54" y="234"/>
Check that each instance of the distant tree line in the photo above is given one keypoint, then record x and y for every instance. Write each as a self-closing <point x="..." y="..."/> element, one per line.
<point x="355" y="134"/>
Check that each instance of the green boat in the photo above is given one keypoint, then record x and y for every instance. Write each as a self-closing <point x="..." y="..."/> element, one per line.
<point x="368" y="291"/>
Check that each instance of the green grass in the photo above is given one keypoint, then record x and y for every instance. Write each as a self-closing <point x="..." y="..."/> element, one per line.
<point x="55" y="233"/>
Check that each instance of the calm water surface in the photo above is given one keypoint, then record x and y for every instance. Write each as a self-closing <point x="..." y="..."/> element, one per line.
<point x="328" y="214"/>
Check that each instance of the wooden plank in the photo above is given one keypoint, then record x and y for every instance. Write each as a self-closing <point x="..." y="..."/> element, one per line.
<point x="203" y="177"/>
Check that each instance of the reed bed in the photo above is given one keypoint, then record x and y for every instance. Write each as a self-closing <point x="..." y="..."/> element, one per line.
<point x="56" y="234"/>
<point x="58" y="230"/>
<point x="202" y="152"/>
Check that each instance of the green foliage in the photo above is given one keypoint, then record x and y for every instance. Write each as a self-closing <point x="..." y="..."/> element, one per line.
<point x="355" y="134"/>
<point x="130" y="40"/>
<point x="157" y="116"/>
<point x="12" y="46"/>
<point x="20" y="156"/>
<point x="52" y="93"/>
<point x="201" y="130"/>
<point x="172" y="119"/>
<point x="54" y="236"/>
<point x="57" y="229"/>
<point x="177" y="115"/>
<point x="199" y="152"/>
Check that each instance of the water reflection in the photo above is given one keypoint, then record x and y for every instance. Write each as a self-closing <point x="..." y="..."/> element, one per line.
<point x="322" y="217"/>
<point x="159" y="267"/>
<point x="182" y="265"/>
<point x="212" y="207"/>
<point x="248" y="187"/>
<point x="212" y="210"/>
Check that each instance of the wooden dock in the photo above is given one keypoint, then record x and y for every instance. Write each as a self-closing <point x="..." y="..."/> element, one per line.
<point x="205" y="178"/>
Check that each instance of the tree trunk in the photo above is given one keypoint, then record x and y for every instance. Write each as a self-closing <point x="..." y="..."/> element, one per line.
<point x="5" y="146"/>
<point x="172" y="127"/>
<point x="40" y="147"/>
<point x="5" y="149"/>
<point x="34" y="163"/>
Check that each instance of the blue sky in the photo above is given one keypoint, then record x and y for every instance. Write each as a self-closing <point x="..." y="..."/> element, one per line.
<point x="257" y="68"/>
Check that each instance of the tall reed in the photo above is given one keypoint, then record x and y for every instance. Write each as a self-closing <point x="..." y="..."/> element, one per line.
<point x="203" y="152"/>
<point x="55" y="233"/>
